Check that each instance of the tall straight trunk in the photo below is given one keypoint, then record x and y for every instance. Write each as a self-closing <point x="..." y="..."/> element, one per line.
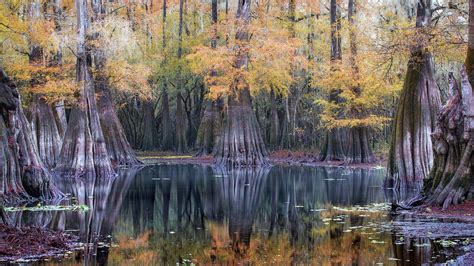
<point x="84" y="153"/>
<point x="358" y="148"/>
<point x="240" y="143"/>
<point x="180" y="125"/>
<point x="274" y="121"/>
<point x="333" y="146"/>
<point x="138" y="121"/>
<point x="166" y="125"/>
<point x="411" y="150"/>
<point x="210" y="121"/>
<point x="119" y="149"/>
<point x="22" y="171"/>
<point x="470" y="46"/>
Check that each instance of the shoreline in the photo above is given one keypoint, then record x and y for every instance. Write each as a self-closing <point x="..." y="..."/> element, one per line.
<point x="292" y="158"/>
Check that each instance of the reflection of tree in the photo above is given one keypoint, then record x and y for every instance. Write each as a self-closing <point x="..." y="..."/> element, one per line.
<point x="104" y="196"/>
<point x="240" y="192"/>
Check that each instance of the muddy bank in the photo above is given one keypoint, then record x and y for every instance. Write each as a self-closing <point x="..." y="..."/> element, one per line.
<point x="33" y="243"/>
<point x="283" y="157"/>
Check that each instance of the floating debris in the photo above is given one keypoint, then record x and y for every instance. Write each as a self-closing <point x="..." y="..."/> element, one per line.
<point x="38" y="207"/>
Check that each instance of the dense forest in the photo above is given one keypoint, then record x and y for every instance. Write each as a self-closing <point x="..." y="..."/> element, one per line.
<point x="85" y="86"/>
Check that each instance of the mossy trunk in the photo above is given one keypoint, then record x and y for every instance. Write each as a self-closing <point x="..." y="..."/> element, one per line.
<point x="240" y="143"/>
<point x="451" y="179"/>
<point x="411" y="150"/>
<point x="23" y="174"/>
<point x="45" y="131"/>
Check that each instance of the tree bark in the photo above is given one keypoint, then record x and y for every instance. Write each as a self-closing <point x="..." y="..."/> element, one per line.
<point x="333" y="146"/>
<point x="358" y="148"/>
<point x="84" y="153"/>
<point x="180" y="125"/>
<point x="451" y="179"/>
<point x="241" y="143"/>
<point x="210" y="121"/>
<point x="411" y="150"/>
<point x="46" y="134"/>
<point x="274" y="121"/>
<point x="470" y="45"/>
<point x="119" y="149"/>
<point x="23" y="173"/>
<point x="166" y="126"/>
<point x="209" y="128"/>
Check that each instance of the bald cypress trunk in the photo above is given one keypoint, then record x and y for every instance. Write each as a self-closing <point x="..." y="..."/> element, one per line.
<point x="210" y="122"/>
<point x="451" y="179"/>
<point x="45" y="131"/>
<point x="209" y="128"/>
<point x="411" y="150"/>
<point x="84" y="153"/>
<point x="22" y="173"/>
<point x="470" y="47"/>
<point x="333" y="146"/>
<point x="180" y="125"/>
<point x="358" y="149"/>
<point x="240" y="143"/>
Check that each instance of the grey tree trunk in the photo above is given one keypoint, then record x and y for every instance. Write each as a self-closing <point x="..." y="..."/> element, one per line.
<point x="358" y="148"/>
<point x="333" y="146"/>
<point x="240" y="143"/>
<point x="451" y="179"/>
<point x="411" y="150"/>
<point x="23" y="174"/>
<point x="84" y="153"/>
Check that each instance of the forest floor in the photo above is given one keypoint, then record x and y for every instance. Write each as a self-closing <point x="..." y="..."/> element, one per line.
<point x="25" y="244"/>
<point x="280" y="157"/>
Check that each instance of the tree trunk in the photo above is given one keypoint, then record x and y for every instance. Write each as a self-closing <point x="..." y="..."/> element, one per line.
<point x="358" y="148"/>
<point x="411" y="150"/>
<point x="208" y="128"/>
<point x="84" y="153"/>
<point x="180" y="125"/>
<point x="274" y="121"/>
<point x="210" y="121"/>
<point x="119" y="149"/>
<point x="166" y="126"/>
<point x="45" y="131"/>
<point x="451" y="179"/>
<point x="470" y="46"/>
<point x="181" y="140"/>
<point x="241" y="143"/>
<point x="22" y="171"/>
<point x="333" y="146"/>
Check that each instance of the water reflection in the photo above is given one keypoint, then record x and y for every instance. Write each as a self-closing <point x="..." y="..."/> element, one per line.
<point x="170" y="214"/>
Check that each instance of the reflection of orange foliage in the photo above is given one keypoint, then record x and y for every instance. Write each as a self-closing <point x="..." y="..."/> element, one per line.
<point x="133" y="251"/>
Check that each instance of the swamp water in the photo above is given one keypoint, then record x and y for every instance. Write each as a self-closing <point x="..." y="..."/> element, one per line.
<point x="168" y="214"/>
